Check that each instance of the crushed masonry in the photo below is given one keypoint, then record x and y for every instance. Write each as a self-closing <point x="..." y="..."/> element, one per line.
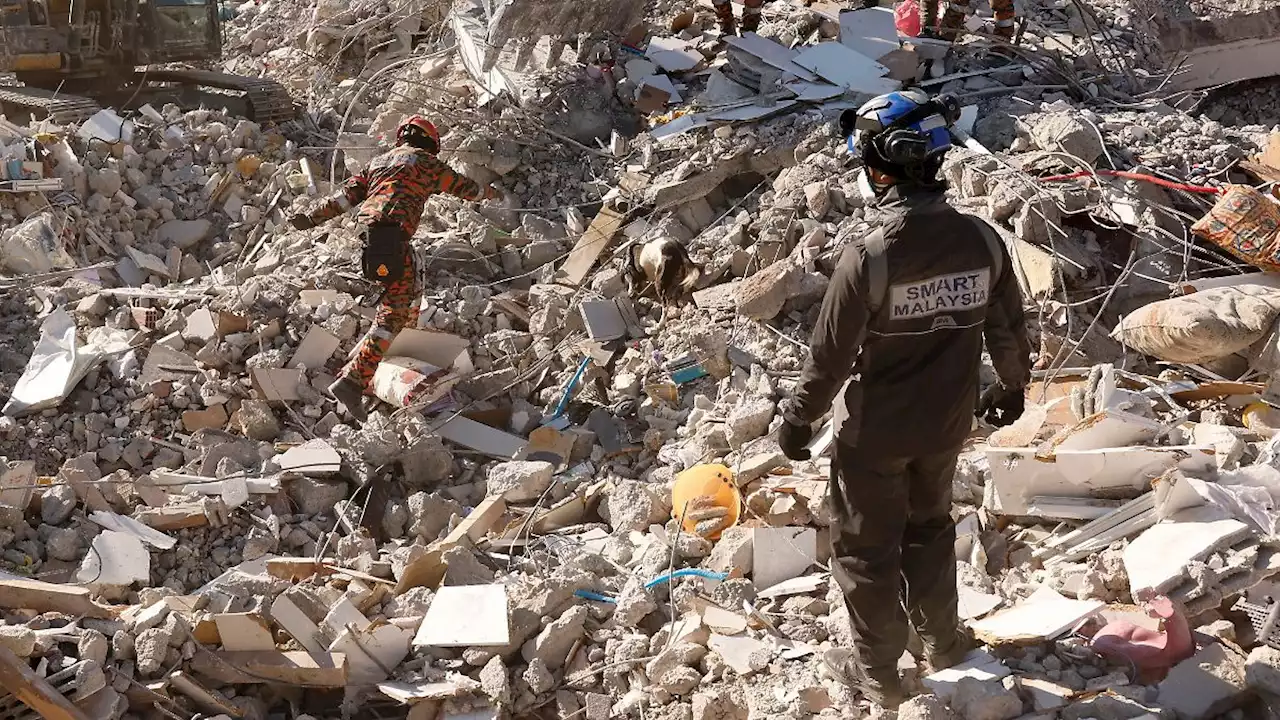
<point x="192" y="526"/>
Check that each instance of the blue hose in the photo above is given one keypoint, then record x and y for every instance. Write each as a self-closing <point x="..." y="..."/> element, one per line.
<point x="568" y="389"/>
<point x="661" y="579"/>
<point x="685" y="572"/>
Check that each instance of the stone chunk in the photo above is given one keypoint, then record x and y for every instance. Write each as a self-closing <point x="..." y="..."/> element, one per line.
<point x="494" y="681"/>
<point x="762" y="295"/>
<point x="818" y="199"/>
<point x="924" y="707"/>
<point x="429" y="514"/>
<point x="732" y="550"/>
<point x="634" y="505"/>
<point x="520" y="480"/>
<point x="1262" y="670"/>
<point x="150" y="649"/>
<point x="1206" y="684"/>
<point x="985" y="700"/>
<point x="314" y="496"/>
<point x="257" y="421"/>
<point x="748" y="420"/>
<point x="553" y="644"/>
<point x="1063" y="132"/>
<point x="183" y="234"/>
<point x="18" y="639"/>
<point x="57" y="503"/>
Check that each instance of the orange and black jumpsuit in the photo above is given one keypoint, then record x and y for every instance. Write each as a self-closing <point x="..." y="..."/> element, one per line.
<point x="391" y="193"/>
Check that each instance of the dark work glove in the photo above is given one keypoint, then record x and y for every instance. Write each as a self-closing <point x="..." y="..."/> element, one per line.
<point x="793" y="438"/>
<point x="301" y="222"/>
<point x="1000" y="405"/>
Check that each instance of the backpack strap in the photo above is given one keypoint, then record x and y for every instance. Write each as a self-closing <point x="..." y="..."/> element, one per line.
<point x="994" y="245"/>
<point x="877" y="268"/>
<point x="876" y="264"/>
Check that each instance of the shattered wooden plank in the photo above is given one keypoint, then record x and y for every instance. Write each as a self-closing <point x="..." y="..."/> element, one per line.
<point x="202" y="696"/>
<point x="34" y="691"/>
<point x="244" y="632"/>
<point x="51" y="597"/>
<point x="290" y="668"/>
<point x="174" y="517"/>
<point x="587" y="250"/>
<point x="478" y="523"/>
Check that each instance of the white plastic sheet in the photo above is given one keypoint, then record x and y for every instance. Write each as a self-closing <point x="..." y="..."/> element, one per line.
<point x="60" y="361"/>
<point x="33" y="247"/>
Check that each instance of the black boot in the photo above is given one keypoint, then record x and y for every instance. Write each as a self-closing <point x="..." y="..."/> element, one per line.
<point x="351" y="396"/>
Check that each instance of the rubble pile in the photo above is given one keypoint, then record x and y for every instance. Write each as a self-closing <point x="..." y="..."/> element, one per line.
<point x="582" y="511"/>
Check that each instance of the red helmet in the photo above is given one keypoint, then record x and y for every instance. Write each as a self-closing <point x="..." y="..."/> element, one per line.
<point x="420" y="126"/>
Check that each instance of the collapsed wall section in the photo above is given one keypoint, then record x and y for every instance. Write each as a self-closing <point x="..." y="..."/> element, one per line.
<point x="1206" y="46"/>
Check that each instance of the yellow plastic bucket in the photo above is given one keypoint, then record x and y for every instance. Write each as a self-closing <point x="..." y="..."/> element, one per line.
<point x="1262" y="419"/>
<point x="717" y="484"/>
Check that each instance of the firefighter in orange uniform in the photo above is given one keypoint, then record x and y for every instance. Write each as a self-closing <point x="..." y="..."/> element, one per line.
<point x="390" y="195"/>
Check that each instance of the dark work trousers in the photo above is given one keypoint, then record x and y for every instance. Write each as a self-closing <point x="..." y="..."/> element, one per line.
<point x="893" y="545"/>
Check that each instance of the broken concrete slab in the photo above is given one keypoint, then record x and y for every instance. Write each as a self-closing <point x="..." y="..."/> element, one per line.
<point x="781" y="554"/>
<point x="1205" y="685"/>
<point x="1043" y="616"/>
<point x="870" y="32"/>
<point x="120" y="523"/>
<point x="277" y="385"/>
<point x="743" y="655"/>
<point x="482" y="438"/>
<point x="520" y="480"/>
<point x="978" y="665"/>
<point x="1020" y="474"/>
<point x="974" y="604"/>
<point x="985" y="700"/>
<point x="313" y="457"/>
<point x="772" y="53"/>
<point x="603" y="320"/>
<point x="846" y="68"/>
<point x="443" y="350"/>
<point x="373" y="651"/>
<point x="1157" y="559"/>
<point x="673" y="54"/>
<point x="315" y="350"/>
<point x="466" y="615"/>
<point x="117" y="559"/>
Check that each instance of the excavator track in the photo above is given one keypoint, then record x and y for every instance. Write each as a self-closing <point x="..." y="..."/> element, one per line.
<point x="267" y="99"/>
<point x="59" y="108"/>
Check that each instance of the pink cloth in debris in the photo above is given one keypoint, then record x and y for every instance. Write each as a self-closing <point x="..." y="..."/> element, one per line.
<point x="1152" y="652"/>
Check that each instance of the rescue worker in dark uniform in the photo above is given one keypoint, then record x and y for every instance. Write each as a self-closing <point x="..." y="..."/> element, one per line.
<point x="391" y="194"/>
<point x="903" y="321"/>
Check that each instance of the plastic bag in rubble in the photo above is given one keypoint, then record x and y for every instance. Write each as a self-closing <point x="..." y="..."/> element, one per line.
<point x="404" y="381"/>
<point x="59" y="362"/>
<point x="906" y="17"/>
<point x="1245" y="223"/>
<point x="1201" y="327"/>
<point x="34" y="247"/>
